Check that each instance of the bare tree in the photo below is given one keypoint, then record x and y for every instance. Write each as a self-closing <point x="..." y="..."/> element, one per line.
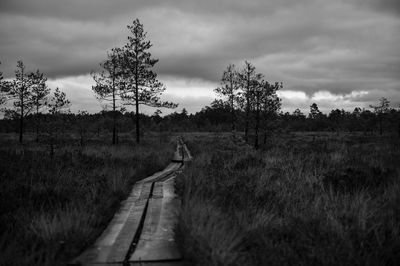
<point x="110" y="84"/>
<point x="230" y="88"/>
<point x="142" y="86"/>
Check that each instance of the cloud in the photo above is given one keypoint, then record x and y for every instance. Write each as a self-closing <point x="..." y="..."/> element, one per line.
<point x="326" y="100"/>
<point x="387" y="6"/>
<point x="311" y="45"/>
<point x="103" y="10"/>
<point x="57" y="47"/>
<point x="78" y="91"/>
<point x="191" y="94"/>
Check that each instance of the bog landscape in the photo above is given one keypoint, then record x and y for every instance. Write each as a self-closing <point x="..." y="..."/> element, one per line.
<point x="247" y="179"/>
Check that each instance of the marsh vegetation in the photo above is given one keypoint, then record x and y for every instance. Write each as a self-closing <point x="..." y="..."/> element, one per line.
<point x="302" y="199"/>
<point x="54" y="206"/>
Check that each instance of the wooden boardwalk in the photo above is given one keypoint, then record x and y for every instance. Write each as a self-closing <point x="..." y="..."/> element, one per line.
<point x="141" y="232"/>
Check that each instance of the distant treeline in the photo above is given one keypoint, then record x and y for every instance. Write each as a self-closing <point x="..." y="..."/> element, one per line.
<point x="380" y="119"/>
<point x="217" y="118"/>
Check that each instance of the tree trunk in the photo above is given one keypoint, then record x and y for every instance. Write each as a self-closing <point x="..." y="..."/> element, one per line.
<point x="232" y="103"/>
<point x="265" y="137"/>
<point x="233" y="114"/>
<point x="114" y="131"/>
<point x="21" y="120"/>
<point x="265" y="124"/>
<point x="398" y="129"/>
<point x="114" y="114"/>
<point x="21" y="126"/>
<point x="246" y="129"/>
<point x="380" y="126"/>
<point x="52" y="148"/>
<point x="37" y="133"/>
<point x="37" y="123"/>
<point x="256" y="128"/>
<point x="137" y="98"/>
<point x="116" y="136"/>
<point x="137" y="114"/>
<point x="81" y="137"/>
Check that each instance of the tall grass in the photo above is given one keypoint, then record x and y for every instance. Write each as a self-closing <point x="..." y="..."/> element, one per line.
<point x="52" y="207"/>
<point x="302" y="200"/>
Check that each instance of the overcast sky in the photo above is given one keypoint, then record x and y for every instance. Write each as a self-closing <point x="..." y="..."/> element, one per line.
<point x="337" y="53"/>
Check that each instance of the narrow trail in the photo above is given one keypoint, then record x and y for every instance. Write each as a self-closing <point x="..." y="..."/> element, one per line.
<point x="141" y="232"/>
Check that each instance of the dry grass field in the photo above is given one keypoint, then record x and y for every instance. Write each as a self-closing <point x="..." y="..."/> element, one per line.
<point x="52" y="207"/>
<point x="303" y="199"/>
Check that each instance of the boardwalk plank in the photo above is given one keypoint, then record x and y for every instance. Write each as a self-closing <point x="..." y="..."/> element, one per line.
<point x="157" y="241"/>
<point x="146" y="219"/>
<point x="100" y="250"/>
<point x="123" y="242"/>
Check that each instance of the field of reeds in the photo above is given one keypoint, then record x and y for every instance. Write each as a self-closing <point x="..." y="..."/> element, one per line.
<point x="55" y="201"/>
<point x="302" y="199"/>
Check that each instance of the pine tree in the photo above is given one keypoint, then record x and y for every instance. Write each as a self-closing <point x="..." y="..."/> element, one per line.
<point x="57" y="104"/>
<point x="110" y="85"/>
<point x="141" y="84"/>
<point x="266" y="100"/>
<point x="19" y="91"/>
<point x="315" y="113"/>
<point x="229" y="88"/>
<point x="381" y="111"/>
<point x="248" y="79"/>
<point x="39" y="94"/>
<point x="3" y="98"/>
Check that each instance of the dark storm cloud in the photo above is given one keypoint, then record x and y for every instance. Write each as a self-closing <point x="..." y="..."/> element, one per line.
<point x="57" y="47"/>
<point x="388" y="6"/>
<point x="310" y="45"/>
<point x="106" y="9"/>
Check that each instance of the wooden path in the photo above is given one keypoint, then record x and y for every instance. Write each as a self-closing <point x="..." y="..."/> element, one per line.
<point x="141" y="232"/>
